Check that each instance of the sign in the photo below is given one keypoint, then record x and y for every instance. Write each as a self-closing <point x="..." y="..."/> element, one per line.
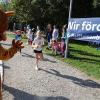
<point x="79" y="27"/>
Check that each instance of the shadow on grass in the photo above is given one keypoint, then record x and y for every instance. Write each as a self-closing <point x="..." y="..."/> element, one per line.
<point x="22" y="95"/>
<point x="52" y="54"/>
<point x="84" y="59"/>
<point x="84" y="53"/>
<point x="78" y="81"/>
<point x="81" y="57"/>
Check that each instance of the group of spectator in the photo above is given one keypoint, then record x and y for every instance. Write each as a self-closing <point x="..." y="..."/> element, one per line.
<point x="52" y="33"/>
<point x="52" y="36"/>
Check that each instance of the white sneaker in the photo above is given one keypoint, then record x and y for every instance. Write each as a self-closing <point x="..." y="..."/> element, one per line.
<point x="36" y="67"/>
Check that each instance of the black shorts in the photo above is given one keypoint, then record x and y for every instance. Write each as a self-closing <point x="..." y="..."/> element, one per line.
<point x="35" y="51"/>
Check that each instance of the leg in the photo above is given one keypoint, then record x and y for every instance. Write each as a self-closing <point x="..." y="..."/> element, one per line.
<point x="37" y="60"/>
<point x="40" y="56"/>
<point x="55" y="51"/>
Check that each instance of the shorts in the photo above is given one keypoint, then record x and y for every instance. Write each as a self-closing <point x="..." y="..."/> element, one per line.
<point x="35" y="51"/>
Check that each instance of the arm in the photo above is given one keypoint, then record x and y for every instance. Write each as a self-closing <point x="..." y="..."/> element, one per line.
<point x="6" y="54"/>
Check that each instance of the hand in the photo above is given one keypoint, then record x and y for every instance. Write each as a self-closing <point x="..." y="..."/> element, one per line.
<point x="17" y="45"/>
<point x="34" y="46"/>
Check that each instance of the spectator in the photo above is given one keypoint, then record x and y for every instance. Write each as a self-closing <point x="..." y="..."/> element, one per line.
<point x="55" y="33"/>
<point x="63" y="39"/>
<point x="18" y="37"/>
<point x="64" y="30"/>
<point x="14" y="27"/>
<point x="49" y="34"/>
<point x="33" y="33"/>
<point x="30" y="39"/>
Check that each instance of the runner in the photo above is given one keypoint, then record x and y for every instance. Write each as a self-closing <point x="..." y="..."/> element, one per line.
<point x="37" y="45"/>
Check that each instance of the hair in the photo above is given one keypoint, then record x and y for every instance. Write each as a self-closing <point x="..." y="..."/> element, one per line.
<point x="40" y="32"/>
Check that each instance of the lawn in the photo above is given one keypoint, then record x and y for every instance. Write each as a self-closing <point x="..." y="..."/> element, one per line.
<point x="83" y="57"/>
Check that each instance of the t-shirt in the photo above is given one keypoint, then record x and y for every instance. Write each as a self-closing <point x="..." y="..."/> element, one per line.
<point x="31" y="36"/>
<point x="38" y="41"/>
<point x="55" y="34"/>
<point x="18" y="37"/>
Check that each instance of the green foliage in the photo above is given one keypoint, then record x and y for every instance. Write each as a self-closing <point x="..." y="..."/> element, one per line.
<point x="42" y="12"/>
<point x="82" y="8"/>
<point x="6" y="6"/>
<point x="96" y="9"/>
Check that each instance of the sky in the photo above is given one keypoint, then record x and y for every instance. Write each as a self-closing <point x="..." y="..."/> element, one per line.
<point x="5" y="1"/>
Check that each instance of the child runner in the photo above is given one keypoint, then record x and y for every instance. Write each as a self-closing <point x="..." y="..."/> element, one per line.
<point x="18" y="37"/>
<point x="30" y="39"/>
<point x="37" y="45"/>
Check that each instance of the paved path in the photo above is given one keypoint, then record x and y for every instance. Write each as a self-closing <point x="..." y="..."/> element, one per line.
<point x="55" y="81"/>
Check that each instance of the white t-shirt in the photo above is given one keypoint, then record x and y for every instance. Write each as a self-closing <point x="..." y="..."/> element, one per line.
<point x="30" y="36"/>
<point x="39" y="42"/>
<point x="55" y="34"/>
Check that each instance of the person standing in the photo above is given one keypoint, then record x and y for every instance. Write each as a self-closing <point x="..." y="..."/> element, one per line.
<point x="63" y="39"/>
<point x="49" y="34"/>
<point x="14" y="27"/>
<point x="55" y="33"/>
<point x="30" y="39"/>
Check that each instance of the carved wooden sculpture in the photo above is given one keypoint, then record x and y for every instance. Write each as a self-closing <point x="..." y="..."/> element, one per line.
<point x="6" y="54"/>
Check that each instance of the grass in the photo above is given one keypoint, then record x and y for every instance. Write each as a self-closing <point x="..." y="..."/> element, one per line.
<point x="83" y="57"/>
<point x="10" y="35"/>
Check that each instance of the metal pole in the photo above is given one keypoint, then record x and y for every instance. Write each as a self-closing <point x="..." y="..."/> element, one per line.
<point x="67" y="39"/>
<point x="70" y="9"/>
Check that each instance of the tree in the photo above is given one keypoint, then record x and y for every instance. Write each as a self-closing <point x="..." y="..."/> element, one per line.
<point x="82" y="8"/>
<point x="96" y="8"/>
<point x="42" y="12"/>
